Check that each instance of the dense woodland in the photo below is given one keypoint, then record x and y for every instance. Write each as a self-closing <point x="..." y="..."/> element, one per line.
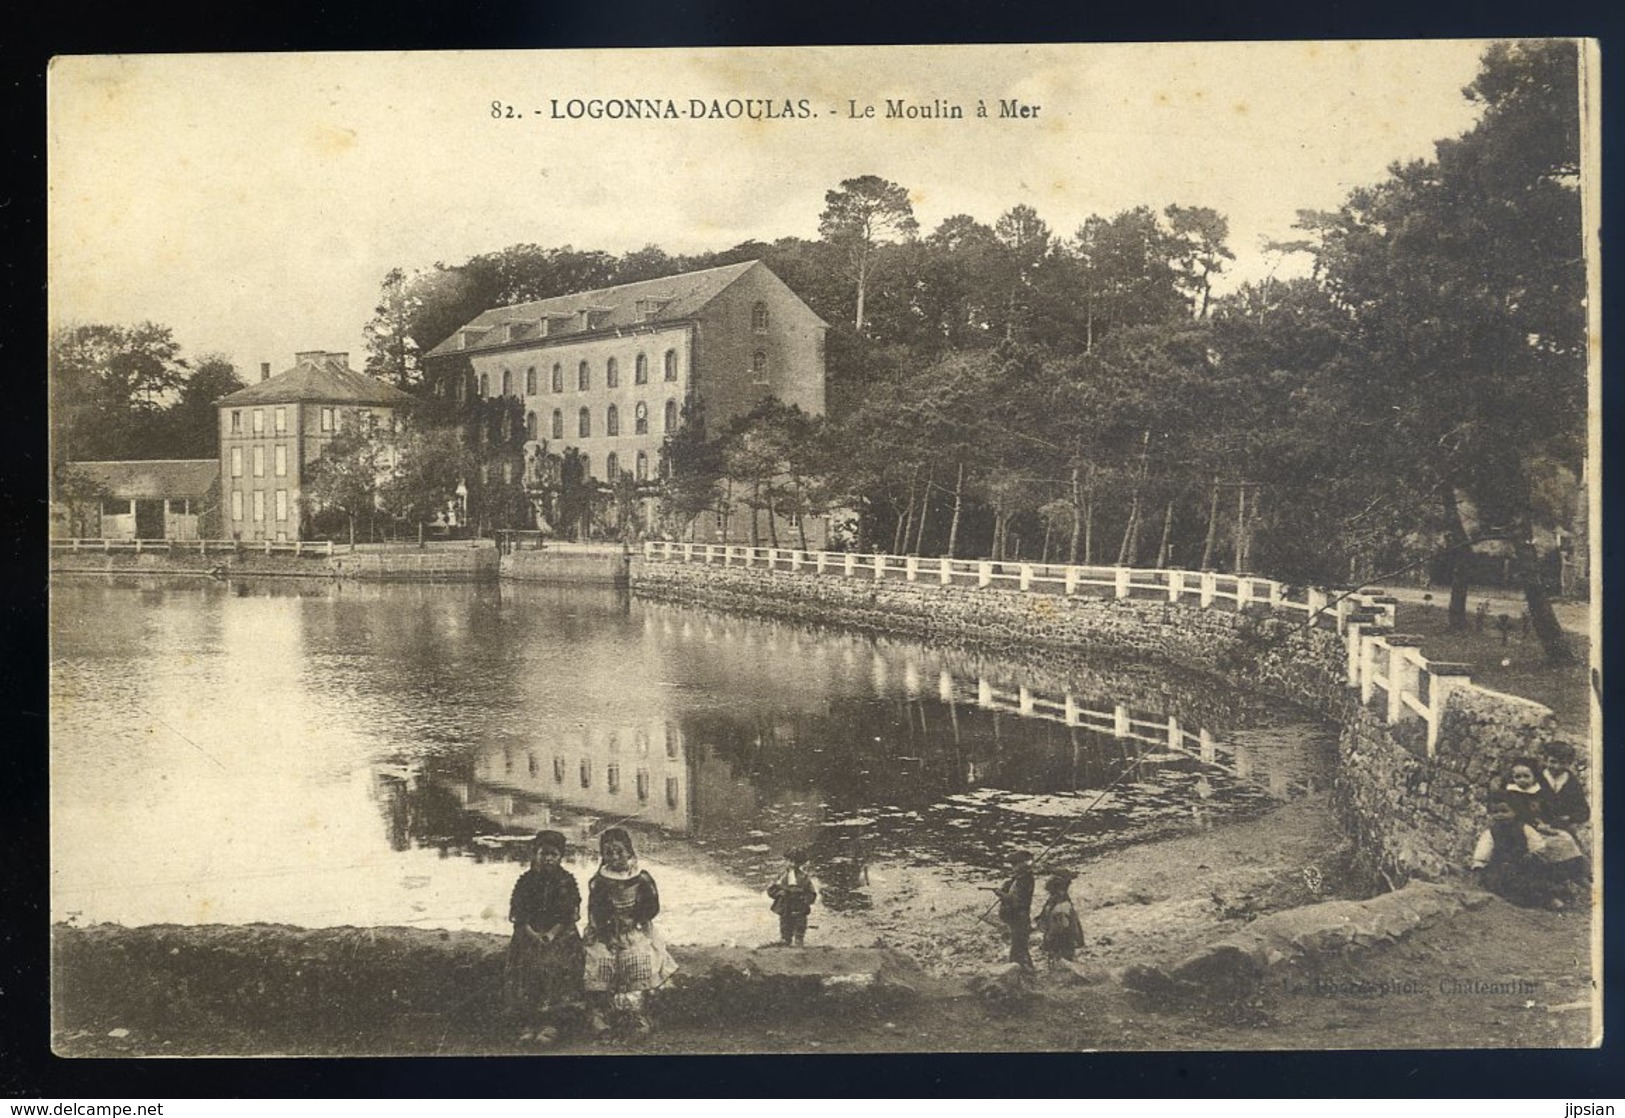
<point x="998" y="387"/>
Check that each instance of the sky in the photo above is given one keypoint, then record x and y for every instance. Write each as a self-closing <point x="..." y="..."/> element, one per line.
<point x="254" y="202"/>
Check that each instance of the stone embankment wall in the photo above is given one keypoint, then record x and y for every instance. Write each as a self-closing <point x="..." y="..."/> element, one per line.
<point x="1413" y="816"/>
<point x="458" y="564"/>
<point x="557" y="564"/>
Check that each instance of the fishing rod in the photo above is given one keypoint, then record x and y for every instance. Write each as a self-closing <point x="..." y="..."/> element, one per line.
<point x="1076" y="819"/>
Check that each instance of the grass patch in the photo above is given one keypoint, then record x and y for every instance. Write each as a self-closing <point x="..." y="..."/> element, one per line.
<point x="1517" y="667"/>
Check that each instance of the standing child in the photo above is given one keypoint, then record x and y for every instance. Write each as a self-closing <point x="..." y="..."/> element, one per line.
<point x="793" y="896"/>
<point x="1016" y="908"/>
<point x="543" y="976"/>
<point x="625" y="955"/>
<point x="1058" y="920"/>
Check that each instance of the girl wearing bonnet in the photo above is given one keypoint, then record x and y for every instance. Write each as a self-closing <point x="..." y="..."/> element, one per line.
<point x="624" y="955"/>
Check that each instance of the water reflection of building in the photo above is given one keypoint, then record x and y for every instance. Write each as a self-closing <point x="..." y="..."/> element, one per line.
<point x="632" y="770"/>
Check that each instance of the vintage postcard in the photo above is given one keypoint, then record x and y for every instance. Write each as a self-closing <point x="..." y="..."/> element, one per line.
<point x="852" y="549"/>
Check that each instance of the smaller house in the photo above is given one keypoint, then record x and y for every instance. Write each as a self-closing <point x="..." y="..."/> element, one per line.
<point x="161" y="499"/>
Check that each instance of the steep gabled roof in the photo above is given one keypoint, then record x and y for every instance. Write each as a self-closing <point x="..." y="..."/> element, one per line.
<point x="312" y="381"/>
<point x="670" y="299"/>
<point x="155" y="478"/>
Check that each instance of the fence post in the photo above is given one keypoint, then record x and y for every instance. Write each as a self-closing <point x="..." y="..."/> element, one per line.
<point x="1210" y="586"/>
<point x="138" y="545"/>
<point x="1275" y="594"/>
<point x="1176" y="739"/>
<point x="984" y="692"/>
<point x="1443" y="678"/>
<point x="1123" y="576"/>
<point x="1026" y="577"/>
<point x="880" y="566"/>
<point x="822" y="561"/>
<point x="1368" y="665"/>
<point x="1205" y="747"/>
<point x="1025" y="703"/>
<point x="984" y="573"/>
<point x="849" y="565"/>
<point x="1070" y="709"/>
<point x="1071" y="586"/>
<point x="945" y="686"/>
<point x="298" y="548"/>
<point x="1351" y="640"/>
<point x="1120" y="723"/>
<point x="911" y="568"/>
<point x="795" y="559"/>
<point x="1176" y="585"/>
<point x="945" y="571"/>
<point x="1403" y="672"/>
<point x="1317" y="605"/>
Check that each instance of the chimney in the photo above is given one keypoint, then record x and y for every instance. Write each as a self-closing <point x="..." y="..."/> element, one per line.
<point x="341" y="360"/>
<point x="265" y="370"/>
<point x="313" y="356"/>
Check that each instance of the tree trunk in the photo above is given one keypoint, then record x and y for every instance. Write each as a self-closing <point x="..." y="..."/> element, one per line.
<point x="925" y="507"/>
<point x="1541" y="616"/>
<point x="1456" y="566"/>
<point x="352" y="531"/>
<point x="1077" y="519"/>
<point x="1047" y="528"/>
<point x="1212" y="525"/>
<point x="1241" y="521"/>
<point x="420" y="535"/>
<point x="772" y="524"/>
<point x="1089" y="525"/>
<point x="900" y="544"/>
<point x="959" y="493"/>
<point x="1129" y="530"/>
<point x="1167" y="530"/>
<point x="755" y="519"/>
<point x="998" y="535"/>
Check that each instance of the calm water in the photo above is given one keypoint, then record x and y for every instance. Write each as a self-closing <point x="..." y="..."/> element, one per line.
<point x="326" y="754"/>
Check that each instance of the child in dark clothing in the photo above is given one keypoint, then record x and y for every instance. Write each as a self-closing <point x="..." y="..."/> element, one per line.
<point x="544" y="970"/>
<point x="1058" y="924"/>
<point x="1016" y="908"/>
<point x="793" y="896"/>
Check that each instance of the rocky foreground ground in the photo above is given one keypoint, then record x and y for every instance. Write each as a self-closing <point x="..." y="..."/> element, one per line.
<point x="1254" y="935"/>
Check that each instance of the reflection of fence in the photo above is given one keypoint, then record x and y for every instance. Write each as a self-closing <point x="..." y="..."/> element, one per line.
<point x="200" y="547"/>
<point x="1118" y="721"/>
<point x="1378" y="660"/>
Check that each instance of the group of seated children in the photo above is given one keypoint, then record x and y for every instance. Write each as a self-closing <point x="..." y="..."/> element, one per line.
<point x="1533" y="852"/>
<point x="556" y="974"/>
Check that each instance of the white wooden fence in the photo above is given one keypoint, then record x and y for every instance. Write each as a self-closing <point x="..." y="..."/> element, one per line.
<point x="200" y="547"/>
<point x="1386" y="667"/>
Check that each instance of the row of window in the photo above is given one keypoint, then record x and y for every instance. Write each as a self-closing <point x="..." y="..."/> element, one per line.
<point x="331" y="419"/>
<point x="279" y="460"/>
<point x="612" y="466"/>
<point x="612" y="375"/>
<point x="612" y="421"/>
<point x="258" y="504"/>
<point x="612" y="778"/>
<point x="125" y="506"/>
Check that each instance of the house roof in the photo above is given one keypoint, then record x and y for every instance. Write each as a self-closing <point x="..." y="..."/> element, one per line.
<point x="320" y="381"/>
<point x="669" y="299"/>
<point x="155" y="478"/>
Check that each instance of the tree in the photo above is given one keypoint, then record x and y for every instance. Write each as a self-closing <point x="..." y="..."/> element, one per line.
<point x="692" y="467"/>
<point x="429" y="466"/>
<point x="1465" y="278"/>
<point x="109" y="386"/>
<point x="860" y="215"/>
<point x="191" y="425"/>
<point x="80" y="494"/>
<point x="348" y="475"/>
<point x="1199" y="234"/>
